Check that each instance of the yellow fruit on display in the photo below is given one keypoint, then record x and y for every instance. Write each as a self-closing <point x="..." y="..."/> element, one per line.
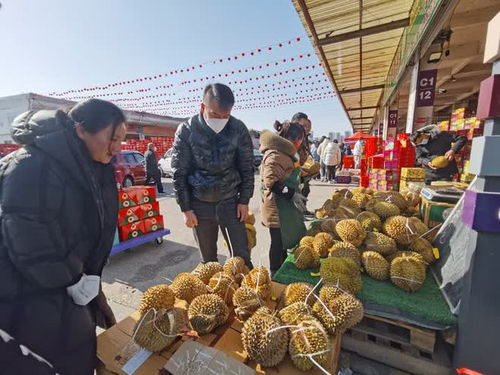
<point x="236" y="267"/>
<point x="331" y="322"/>
<point x="380" y="243"/>
<point x="223" y="285"/>
<point x="391" y="257"/>
<point x="342" y="272"/>
<point x="246" y="301"/>
<point x="369" y="221"/>
<point x="292" y="314"/>
<point x="397" y="199"/>
<point x="309" y="340"/>
<point x="187" y="286"/>
<point x="264" y="340"/>
<point x="259" y="280"/>
<point x="322" y="242"/>
<point x="158" y="329"/>
<point x="348" y="309"/>
<point x="440" y="162"/>
<point x="375" y="265"/>
<point x="424" y="248"/>
<point x="345" y="250"/>
<point x="204" y="271"/>
<point x="207" y="312"/>
<point x="417" y="225"/>
<point x="400" y="228"/>
<point x="408" y="273"/>
<point x="329" y="292"/>
<point x="385" y="210"/>
<point x="344" y="193"/>
<point x="297" y="292"/>
<point x="351" y="231"/>
<point x="305" y="257"/>
<point x="251" y="236"/>
<point x="157" y="297"/>
<point x="361" y="199"/>
<point x="250" y="219"/>
<point x="307" y="241"/>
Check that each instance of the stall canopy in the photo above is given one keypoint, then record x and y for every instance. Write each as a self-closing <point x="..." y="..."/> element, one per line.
<point x="356" y="41"/>
<point x="356" y="136"/>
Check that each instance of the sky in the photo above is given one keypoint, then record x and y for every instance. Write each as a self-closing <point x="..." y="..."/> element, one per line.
<point x="54" y="46"/>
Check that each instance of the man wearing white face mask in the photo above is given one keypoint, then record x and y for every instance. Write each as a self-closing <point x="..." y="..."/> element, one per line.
<point x="214" y="174"/>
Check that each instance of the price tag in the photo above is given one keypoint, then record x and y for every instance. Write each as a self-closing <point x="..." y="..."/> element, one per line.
<point x="435" y="251"/>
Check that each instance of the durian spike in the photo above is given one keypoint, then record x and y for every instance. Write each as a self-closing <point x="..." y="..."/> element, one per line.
<point x="325" y="307"/>
<point x="312" y="290"/>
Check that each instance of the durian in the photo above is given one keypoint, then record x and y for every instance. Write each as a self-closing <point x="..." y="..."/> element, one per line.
<point x="246" y="301"/>
<point x="250" y="219"/>
<point x="440" y="162"/>
<point x="345" y="250"/>
<point x="223" y="285"/>
<point x="375" y="265"/>
<point x="424" y="248"/>
<point x="307" y="241"/>
<point x="351" y="231"/>
<point x="369" y="221"/>
<point x="309" y="340"/>
<point x="322" y="242"/>
<point x="251" y="236"/>
<point x="385" y="210"/>
<point x="204" y="271"/>
<point x="264" y="339"/>
<point x="187" y="286"/>
<point x="328" y="226"/>
<point x="157" y="297"/>
<point x="236" y="268"/>
<point x="329" y="292"/>
<point x="348" y="309"/>
<point x="323" y="312"/>
<point x="259" y="280"/>
<point x="407" y="272"/>
<point x="348" y="209"/>
<point x="400" y="228"/>
<point x="397" y="199"/>
<point x="361" y="199"/>
<point x="344" y="193"/>
<point x="380" y="243"/>
<point x="342" y="272"/>
<point x="391" y="257"/>
<point x="306" y="257"/>
<point x="321" y="213"/>
<point x="298" y="292"/>
<point x="158" y="329"/>
<point x="207" y="312"/>
<point x="291" y="314"/>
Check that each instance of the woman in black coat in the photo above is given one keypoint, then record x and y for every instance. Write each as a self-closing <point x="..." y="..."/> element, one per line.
<point x="59" y="207"/>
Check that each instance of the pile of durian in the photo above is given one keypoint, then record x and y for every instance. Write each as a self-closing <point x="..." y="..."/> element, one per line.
<point x="378" y="233"/>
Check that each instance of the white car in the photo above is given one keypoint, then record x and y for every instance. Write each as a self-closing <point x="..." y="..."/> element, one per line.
<point x="165" y="164"/>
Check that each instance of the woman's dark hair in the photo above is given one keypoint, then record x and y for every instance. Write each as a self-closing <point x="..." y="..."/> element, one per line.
<point x="289" y="130"/>
<point x="95" y="115"/>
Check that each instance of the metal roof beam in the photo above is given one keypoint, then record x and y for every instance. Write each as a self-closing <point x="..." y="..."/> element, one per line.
<point x="367" y="88"/>
<point x="365" y="32"/>
<point x="362" y="118"/>
<point x="361" y="108"/>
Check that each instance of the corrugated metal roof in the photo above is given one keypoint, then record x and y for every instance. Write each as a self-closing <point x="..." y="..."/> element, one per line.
<point x="356" y="40"/>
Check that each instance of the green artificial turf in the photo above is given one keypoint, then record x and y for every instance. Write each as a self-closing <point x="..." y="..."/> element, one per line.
<point x="426" y="305"/>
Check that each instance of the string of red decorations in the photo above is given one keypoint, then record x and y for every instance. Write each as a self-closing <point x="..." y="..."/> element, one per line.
<point x="187" y="69"/>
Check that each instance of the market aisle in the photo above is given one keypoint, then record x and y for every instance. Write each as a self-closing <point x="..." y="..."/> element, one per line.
<point x="130" y="273"/>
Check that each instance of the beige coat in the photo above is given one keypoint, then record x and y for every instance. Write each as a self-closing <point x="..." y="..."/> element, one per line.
<point x="277" y="165"/>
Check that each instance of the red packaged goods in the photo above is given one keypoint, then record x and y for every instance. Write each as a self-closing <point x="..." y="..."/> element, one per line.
<point x="124" y="200"/>
<point x="141" y="194"/>
<point x="364" y="182"/>
<point x="348" y="162"/>
<point x="129" y="215"/>
<point x="149" y="210"/>
<point x="153" y="224"/>
<point x="131" y="231"/>
<point x="376" y="161"/>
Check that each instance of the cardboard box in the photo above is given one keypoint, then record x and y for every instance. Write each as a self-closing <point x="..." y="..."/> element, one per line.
<point x="140" y="194"/>
<point x="124" y="200"/>
<point x="129" y="215"/>
<point x="149" y="210"/>
<point x="152" y="224"/>
<point x="410" y="174"/>
<point x="131" y="231"/>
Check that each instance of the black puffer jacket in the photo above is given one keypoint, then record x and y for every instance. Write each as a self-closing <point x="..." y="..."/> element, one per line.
<point x="58" y="220"/>
<point x="212" y="167"/>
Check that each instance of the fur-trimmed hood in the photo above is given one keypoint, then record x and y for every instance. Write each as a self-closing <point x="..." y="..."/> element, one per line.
<point x="272" y="141"/>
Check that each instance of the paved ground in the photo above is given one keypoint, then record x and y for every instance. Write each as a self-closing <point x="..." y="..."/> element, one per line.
<point x="130" y="273"/>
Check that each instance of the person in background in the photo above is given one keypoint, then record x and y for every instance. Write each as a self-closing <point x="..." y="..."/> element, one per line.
<point x="213" y="174"/>
<point x="331" y="158"/>
<point x="342" y="153"/>
<point x="152" y="170"/>
<point x="321" y="150"/>
<point x="431" y="142"/>
<point x="358" y="152"/>
<point x="347" y="149"/>
<point x="283" y="205"/>
<point x="314" y="151"/>
<point x="59" y="207"/>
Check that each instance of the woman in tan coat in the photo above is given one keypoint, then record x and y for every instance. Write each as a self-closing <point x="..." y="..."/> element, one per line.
<point x="283" y="205"/>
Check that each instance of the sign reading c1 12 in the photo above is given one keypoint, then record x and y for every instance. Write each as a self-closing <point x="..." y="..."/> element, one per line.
<point x="426" y="87"/>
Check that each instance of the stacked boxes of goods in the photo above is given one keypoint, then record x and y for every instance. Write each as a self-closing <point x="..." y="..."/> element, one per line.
<point x="383" y="179"/>
<point x="139" y="212"/>
<point x="466" y="176"/>
<point x="163" y="144"/>
<point x="411" y="175"/>
<point x="398" y="153"/>
<point x="458" y="117"/>
<point x="444" y="126"/>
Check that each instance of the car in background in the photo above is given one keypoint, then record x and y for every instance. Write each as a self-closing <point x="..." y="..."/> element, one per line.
<point x="130" y="168"/>
<point x="165" y="164"/>
<point x="257" y="158"/>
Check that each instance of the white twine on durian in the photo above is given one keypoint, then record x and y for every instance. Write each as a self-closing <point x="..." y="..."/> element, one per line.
<point x="406" y="279"/>
<point x="297" y="258"/>
<point x="231" y="253"/>
<point x="407" y="225"/>
<point x="325" y="307"/>
<point x="312" y="290"/>
<point x="281" y="327"/>
<point x="430" y="230"/>
<point x="166" y="278"/>
<point x="337" y="285"/>
<point x="153" y="320"/>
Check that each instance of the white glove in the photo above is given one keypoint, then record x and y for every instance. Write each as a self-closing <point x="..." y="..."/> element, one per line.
<point x="85" y="290"/>
<point x="299" y="201"/>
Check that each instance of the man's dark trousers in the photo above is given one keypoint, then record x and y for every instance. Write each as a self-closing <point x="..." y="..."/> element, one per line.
<point x="156" y="177"/>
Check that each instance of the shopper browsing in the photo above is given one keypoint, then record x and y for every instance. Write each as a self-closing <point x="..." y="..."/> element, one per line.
<point x="331" y="159"/>
<point x="214" y="174"/>
<point x="283" y="205"/>
<point x="431" y="142"/>
<point x="358" y="152"/>
<point x="152" y="170"/>
<point x="321" y="151"/>
<point x="59" y="208"/>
